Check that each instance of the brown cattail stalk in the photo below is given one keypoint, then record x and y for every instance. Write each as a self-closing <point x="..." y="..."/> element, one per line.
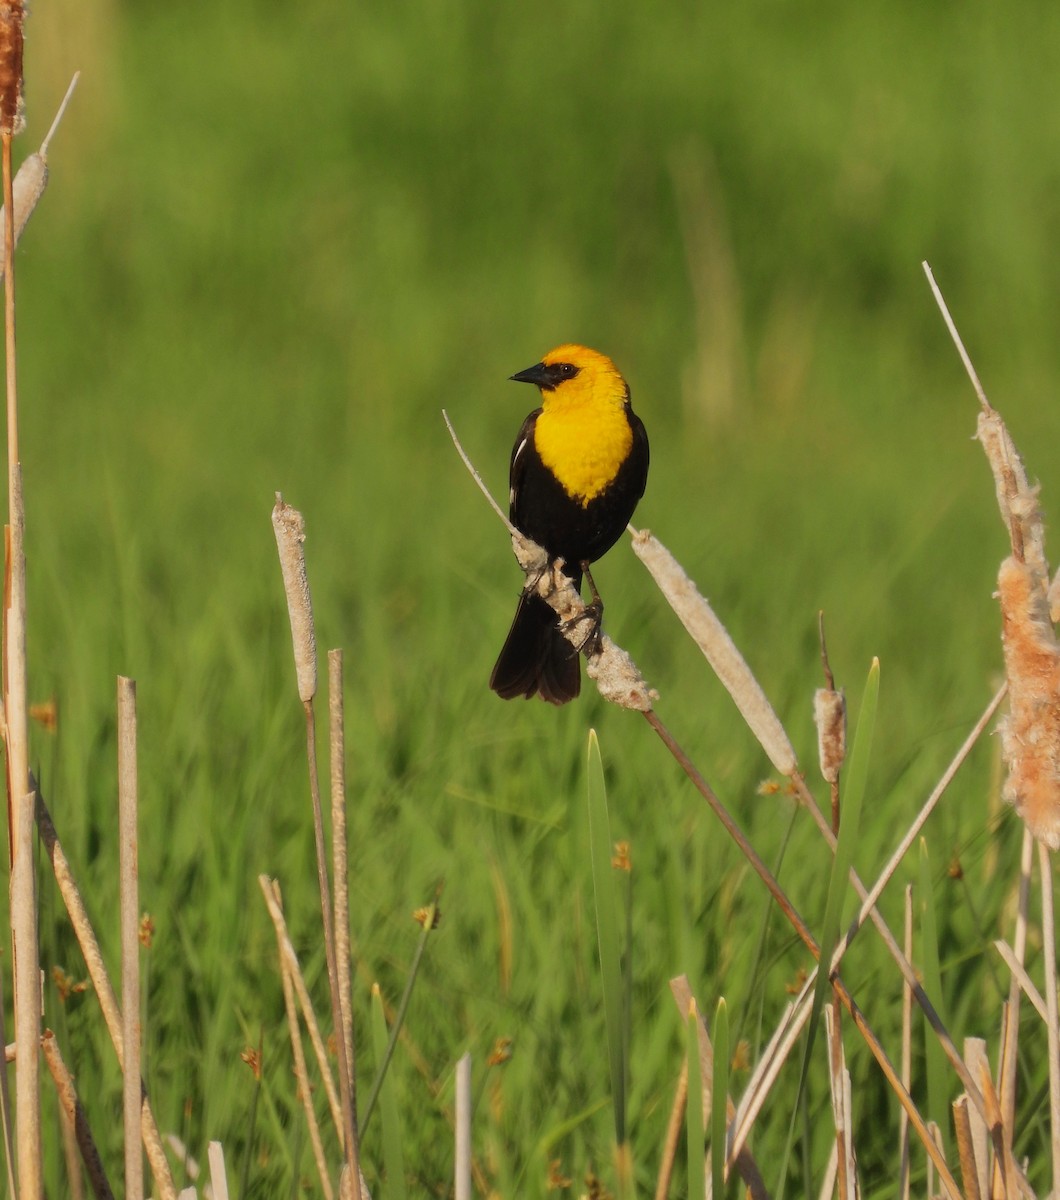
<point x="102" y="986"/>
<point x="337" y="743"/>
<point x="289" y="527"/>
<point x="672" y="1139"/>
<point x="74" y="1114"/>
<point x="1045" y="873"/>
<point x="128" y="864"/>
<point x="273" y="899"/>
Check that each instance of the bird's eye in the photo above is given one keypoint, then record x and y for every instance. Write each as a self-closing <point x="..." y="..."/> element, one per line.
<point x="567" y="370"/>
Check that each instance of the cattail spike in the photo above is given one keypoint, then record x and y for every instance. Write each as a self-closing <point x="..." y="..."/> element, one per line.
<point x="289" y="526"/>
<point x="32" y="177"/>
<point x="12" y="105"/>
<point x="830" y="717"/>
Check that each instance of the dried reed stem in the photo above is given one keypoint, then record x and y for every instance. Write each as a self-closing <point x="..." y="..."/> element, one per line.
<point x="104" y="989"/>
<point x="23" y="890"/>
<point x="839" y="1091"/>
<point x="1045" y="872"/>
<point x="672" y="1138"/>
<point x="274" y="900"/>
<point x="801" y="928"/>
<point x="5" y="1101"/>
<point x="128" y="861"/>
<point x="476" y="476"/>
<point x="27" y="1002"/>
<point x="966" y="1149"/>
<point x="771" y="1060"/>
<point x="337" y="741"/>
<point x="346" y="1095"/>
<point x="1007" y="1069"/>
<point x="218" y="1175"/>
<point x="975" y="1053"/>
<point x="74" y="1113"/>
<point x="1022" y="981"/>
<point x="289" y="527"/>
<point x="906" y="1067"/>
<point x="462" y="1170"/>
<point x="289" y="955"/>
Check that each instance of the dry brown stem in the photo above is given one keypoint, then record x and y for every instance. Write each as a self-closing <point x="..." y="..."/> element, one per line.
<point x="271" y="890"/>
<point x="130" y="935"/>
<point x="74" y="1113"/>
<point x="104" y="989"/>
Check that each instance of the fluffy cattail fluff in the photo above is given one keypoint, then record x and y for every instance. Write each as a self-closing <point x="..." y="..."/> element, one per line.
<point x="289" y="527"/>
<point x="1030" y="734"/>
<point x="830" y="717"/>
<point x="12" y="108"/>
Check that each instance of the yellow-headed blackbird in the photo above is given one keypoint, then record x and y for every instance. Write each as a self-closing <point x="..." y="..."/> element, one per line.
<point x="578" y="468"/>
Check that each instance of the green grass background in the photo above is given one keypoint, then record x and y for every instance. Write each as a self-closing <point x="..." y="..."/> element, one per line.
<point x="278" y="240"/>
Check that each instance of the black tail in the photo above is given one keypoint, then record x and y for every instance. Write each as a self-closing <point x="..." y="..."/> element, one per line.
<point x="536" y="658"/>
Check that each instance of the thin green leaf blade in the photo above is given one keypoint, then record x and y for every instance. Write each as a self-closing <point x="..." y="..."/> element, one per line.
<point x="393" y="1158"/>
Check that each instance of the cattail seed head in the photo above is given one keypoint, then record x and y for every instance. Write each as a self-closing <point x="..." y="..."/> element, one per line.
<point x="713" y="639"/>
<point x="12" y="106"/>
<point x="289" y="526"/>
<point x="1030" y="733"/>
<point x="830" y="717"/>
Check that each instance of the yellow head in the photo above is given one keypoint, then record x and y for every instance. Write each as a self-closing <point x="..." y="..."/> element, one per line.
<point x="575" y="376"/>
<point x="583" y="433"/>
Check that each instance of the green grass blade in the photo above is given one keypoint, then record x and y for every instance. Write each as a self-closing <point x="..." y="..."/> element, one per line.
<point x="857" y="778"/>
<point x="393" y="1159"/>
<point x="607" y="919"/>
<point x="694" y="1122"/>
<point x="399" y="1019"/>
<point x="935" y="1061"/>
<point x="719" y="1089"/>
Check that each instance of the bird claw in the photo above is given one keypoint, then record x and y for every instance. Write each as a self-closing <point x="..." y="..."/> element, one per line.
<point x="594" y="614"/>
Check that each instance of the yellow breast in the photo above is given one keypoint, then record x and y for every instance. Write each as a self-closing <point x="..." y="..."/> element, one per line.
<point x="583" y="440"/>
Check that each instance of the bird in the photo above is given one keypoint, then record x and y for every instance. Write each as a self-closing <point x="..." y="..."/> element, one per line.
<point x="578" y="468"/>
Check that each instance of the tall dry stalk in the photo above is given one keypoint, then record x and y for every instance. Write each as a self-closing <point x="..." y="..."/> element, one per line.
<point x="128" y="865"/>
<point x="20" y="818"/>
<point x="289" y="528"/>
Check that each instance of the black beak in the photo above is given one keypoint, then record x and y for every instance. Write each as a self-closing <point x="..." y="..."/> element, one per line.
<point x="537" y="374"/>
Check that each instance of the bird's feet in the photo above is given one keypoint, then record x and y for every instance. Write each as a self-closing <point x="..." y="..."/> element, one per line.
<point x="593" y="614"/>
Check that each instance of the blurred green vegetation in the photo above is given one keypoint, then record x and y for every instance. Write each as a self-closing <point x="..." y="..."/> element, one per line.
<point x="278" y="241"/>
